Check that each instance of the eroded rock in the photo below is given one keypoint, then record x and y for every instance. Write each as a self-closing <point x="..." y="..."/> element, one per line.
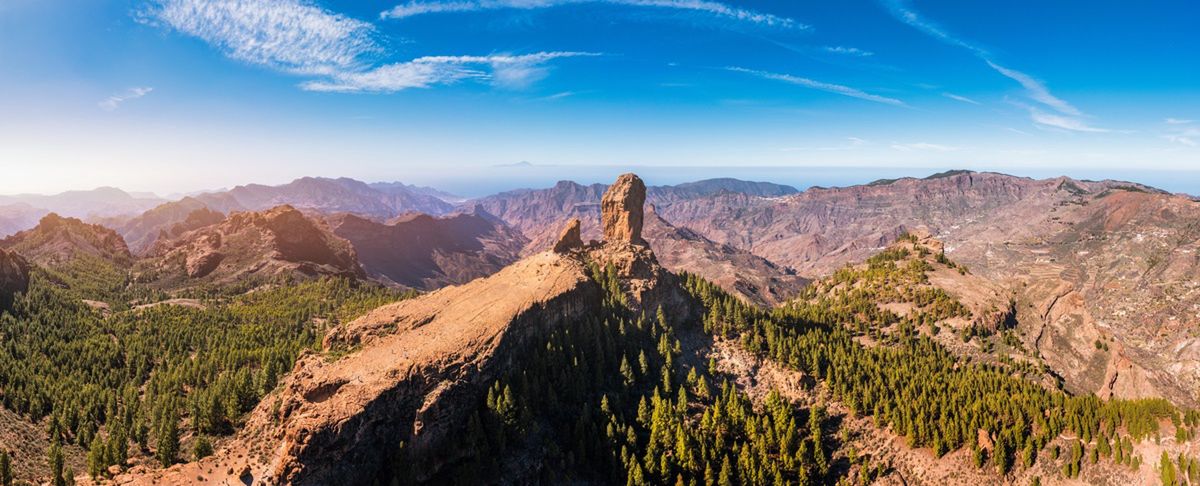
<point x="622" y="210"/>
<point x="570" y="238"/>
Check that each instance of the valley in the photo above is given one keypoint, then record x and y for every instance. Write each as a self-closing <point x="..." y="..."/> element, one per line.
<point x="966" y="327"/>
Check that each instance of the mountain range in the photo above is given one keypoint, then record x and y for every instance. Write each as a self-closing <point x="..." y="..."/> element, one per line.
<point x="1078" y="288"/>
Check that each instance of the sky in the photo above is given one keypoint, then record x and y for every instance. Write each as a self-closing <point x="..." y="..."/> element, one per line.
<point x="172" y="96"/>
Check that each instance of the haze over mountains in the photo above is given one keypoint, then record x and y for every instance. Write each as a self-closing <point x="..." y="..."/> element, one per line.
<point x="1072" y="285"/>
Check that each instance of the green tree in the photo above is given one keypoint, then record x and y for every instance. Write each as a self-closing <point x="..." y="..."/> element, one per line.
<point x="5" y="469"/>
<point x="55" y="458"/>
<point x="202" y="448"/>
<point x="168" y="441"/>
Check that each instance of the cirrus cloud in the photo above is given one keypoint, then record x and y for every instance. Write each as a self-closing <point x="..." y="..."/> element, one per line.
<point x="415" y="8"/>
<point x="819" y="85"/>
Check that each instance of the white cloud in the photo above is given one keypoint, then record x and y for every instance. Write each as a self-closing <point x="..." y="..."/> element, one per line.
<point x="1036" y="89"/>
<point x="850" y="51"/>
<point x="1178" y="121"/>
<point x="113" y="102"/>
<point x="963" y="99"/>
<point x="299" y="37"/>
<point x="1183" y="136"/>
<point x="294" y="36"/>
<point x="829" y="87"/>
<point x="506" y="71"/>
<point x="415" y="8"/>
<point x="1064" y="122"/>
<point x="899" y="9"/>
<point x="932" y="147"/>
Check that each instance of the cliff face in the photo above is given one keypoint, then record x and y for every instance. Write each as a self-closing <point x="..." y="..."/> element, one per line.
<point x="57" y="240"/>
<point x="251" y="245"/>
<point x="165" y="222"/>
<point x="426" y="252"/>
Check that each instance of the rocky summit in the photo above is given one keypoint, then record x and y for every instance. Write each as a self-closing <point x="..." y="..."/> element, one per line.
<point x="622" y="210"/>
<point x="406" y="373"/>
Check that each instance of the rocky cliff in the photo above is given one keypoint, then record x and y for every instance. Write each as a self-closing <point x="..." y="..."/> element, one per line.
<point x="408" y="372"/>
<point x="427" y="252"/>
<point x="57" y="240"/>
<point x="251" y="246"/>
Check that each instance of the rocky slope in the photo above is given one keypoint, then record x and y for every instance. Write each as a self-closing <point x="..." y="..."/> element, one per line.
<point x="14" y="276"/>
<point x="248" y="247"/>
<point x="57" y="240"/>
<point x="539" y="214"/>
<point x="327" y="196"/>
<point x="1101" y="269"/>
<point x="166" y="221"/>
<point x="746" y="275"/>
<point x="426" y="252"/>
<point x="411" y="368"/>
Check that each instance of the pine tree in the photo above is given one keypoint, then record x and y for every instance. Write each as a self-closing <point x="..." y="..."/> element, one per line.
<point x="168" y="441"/>
<point x="55" y="457"/>
<point x="6" y="478"/>
<point x="97" y="458"/>
<point x="726" y="477"/>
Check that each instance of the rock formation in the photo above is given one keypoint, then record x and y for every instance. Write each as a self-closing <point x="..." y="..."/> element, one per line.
<point x="251" y="246"/>
<point x="427" y="252"/>
<point x="14" y="276"/>
<point x="570" y="238"/>
<point x="57" y="240"/>
<point x="410" y="372"/>
<point x="622" y="210"/>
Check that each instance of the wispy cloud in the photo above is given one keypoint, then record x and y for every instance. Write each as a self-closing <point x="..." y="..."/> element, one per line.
<point x="289" y="35"/>
<point x="298" y="37"/>
<point x="1052" y="120"/>
<point x="1034" y="88"/>
<point x="963" y="99"/>
<point x="415" y="8"/>
<point x="849" y="51"/>
<point x="900" y="10"/>
<point x="931" y="147"/>
<point x="506" y="71"/>
<point x="113" y="102"/>
<point x="1182" y="132"/>
<point x="829" y="87"/>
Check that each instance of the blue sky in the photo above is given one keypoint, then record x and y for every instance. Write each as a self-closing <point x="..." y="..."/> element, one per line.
<point x="180" y="95"/>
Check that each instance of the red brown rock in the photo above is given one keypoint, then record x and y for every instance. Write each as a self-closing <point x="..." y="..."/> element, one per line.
<point x="570" y="238"/>
<point x="622" y="210"/>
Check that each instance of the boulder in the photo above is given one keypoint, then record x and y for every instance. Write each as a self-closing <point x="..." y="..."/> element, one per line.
<point x="570" y="238"/>
<point x="622" y="212"/>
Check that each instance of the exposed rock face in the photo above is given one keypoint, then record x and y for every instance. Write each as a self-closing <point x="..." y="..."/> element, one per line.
<point x="570" y="238"/>
<point x="750" y="277"/>
<point x="426" y="252"/>
<point x="538" y="214"/>
<point x="416" y="368"/>
<point x="150" y="230"/>
<point x="14" y="276"/>
<point x="622" y="210"/>
<point x="57" y="240"/>
<point x="249" y="246"/>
